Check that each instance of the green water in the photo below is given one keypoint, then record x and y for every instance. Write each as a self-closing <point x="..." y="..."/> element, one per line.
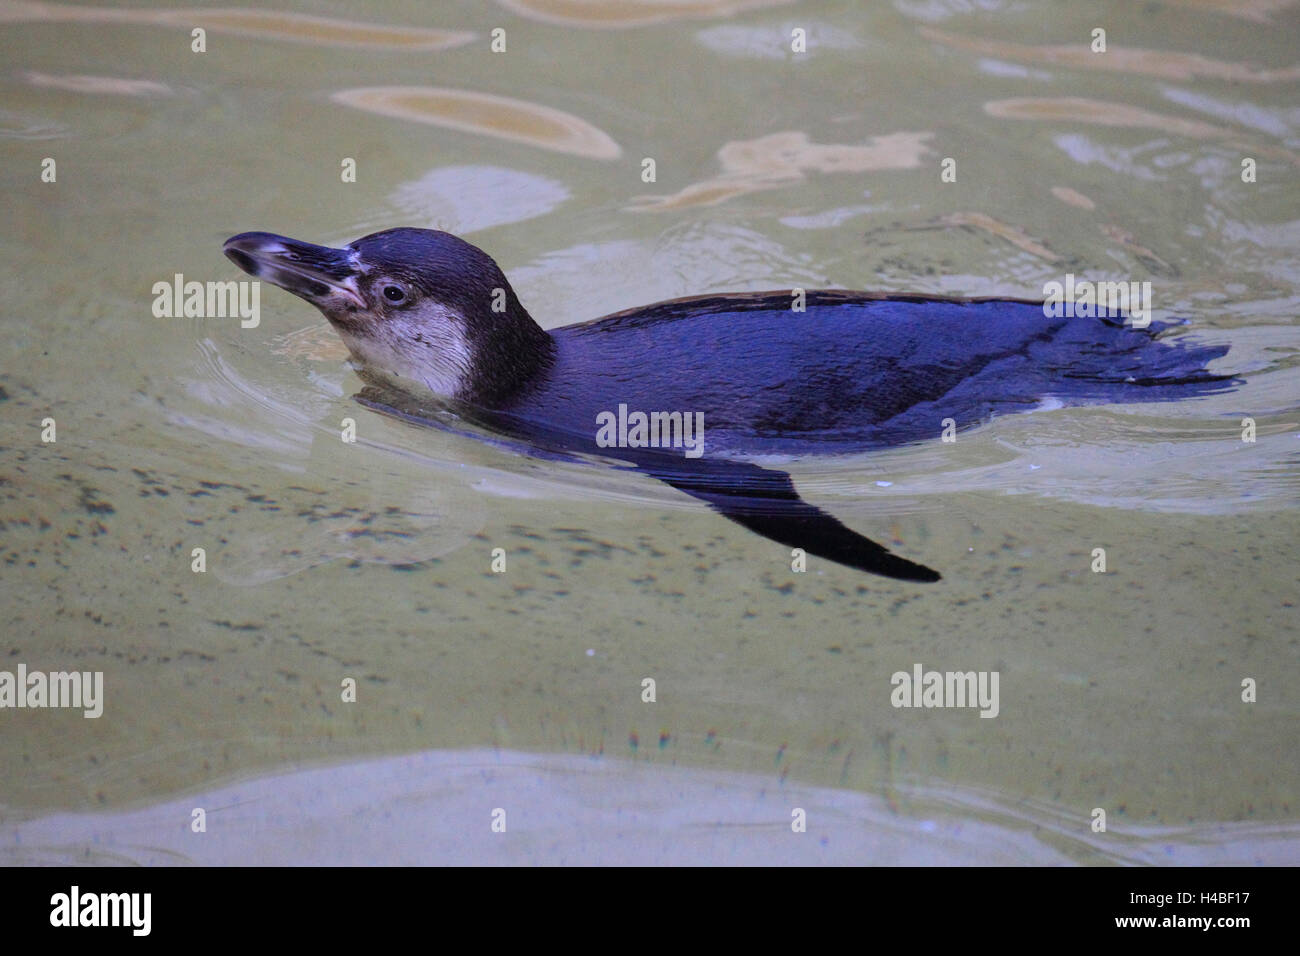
<point x="371" y="561"/>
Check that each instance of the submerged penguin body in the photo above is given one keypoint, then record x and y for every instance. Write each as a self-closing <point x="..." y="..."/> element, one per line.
<point x="426" y="314"/>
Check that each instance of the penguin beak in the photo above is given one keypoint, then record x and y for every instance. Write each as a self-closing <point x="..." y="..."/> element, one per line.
<point x="325" y="277"/>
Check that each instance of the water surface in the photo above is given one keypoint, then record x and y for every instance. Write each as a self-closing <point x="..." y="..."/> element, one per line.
<point x="371" y="561"/>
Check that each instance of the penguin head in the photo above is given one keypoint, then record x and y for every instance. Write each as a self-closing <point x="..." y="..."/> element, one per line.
<point x="418" y="309"/>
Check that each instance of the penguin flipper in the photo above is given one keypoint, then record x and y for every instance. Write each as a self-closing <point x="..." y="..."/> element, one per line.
<point x="766" y="502"/>
<point x="761" y="499"/>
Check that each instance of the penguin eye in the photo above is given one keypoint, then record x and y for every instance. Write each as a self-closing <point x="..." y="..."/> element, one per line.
<point x="394" y="294"/>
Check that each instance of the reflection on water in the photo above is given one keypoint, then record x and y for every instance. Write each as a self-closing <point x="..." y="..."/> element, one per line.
<point x="773" y="41"/>
<point x="1125" y="239"/>
<point x="613" y="14"/>
<point x="569" y="810"/>
<point x="265" y="24"/>
<point x="465" y="199"/>
<point x="487" y="114"/>
<point x="1012" y="234"/>
<point x="1261" y="11"/>
<point x="115" y="85"/>
<point x="1075" y="110"/>
<point x="318" y="343"/>
<point x="695" y="256"/>
<point x="15" y="125"/>
<point x="1165" y="64"/>
<point x="781" y="159"/>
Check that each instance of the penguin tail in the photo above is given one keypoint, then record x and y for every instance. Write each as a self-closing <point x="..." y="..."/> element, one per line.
<point x="1107" y="361"/>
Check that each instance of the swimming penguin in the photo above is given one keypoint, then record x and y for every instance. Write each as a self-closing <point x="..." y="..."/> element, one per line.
<point x="427" y="315"/>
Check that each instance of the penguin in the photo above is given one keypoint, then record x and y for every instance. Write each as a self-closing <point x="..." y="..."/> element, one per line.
<point x="692" y="390"/>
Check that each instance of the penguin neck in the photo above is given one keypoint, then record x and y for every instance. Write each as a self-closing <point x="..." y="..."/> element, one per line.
<point x="512" y="354"/>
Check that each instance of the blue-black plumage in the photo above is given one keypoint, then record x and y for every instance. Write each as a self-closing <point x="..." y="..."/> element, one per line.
<point x="425" y="313"/>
